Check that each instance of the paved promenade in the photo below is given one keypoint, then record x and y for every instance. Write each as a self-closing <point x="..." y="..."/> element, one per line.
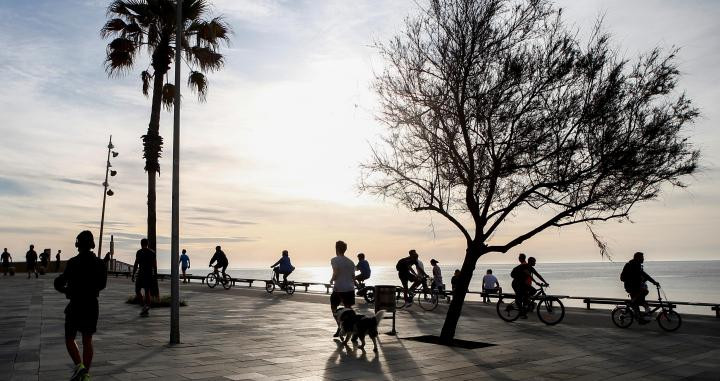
<point x="245" y="334"/>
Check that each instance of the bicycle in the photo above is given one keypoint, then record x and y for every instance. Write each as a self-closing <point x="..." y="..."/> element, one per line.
<point x="428" y="297"/>
<point x="669" y="320"/>
<point x="550" y="310"/>
<point x="270" y="285"/>
<point x="367" y="292"/>
<point x="213" y="278"/>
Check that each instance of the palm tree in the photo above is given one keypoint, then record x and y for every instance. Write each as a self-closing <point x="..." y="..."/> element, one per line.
<point x="135" y="25"/>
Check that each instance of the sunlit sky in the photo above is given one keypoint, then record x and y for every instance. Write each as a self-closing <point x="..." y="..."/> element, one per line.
<point x="270" y="162"/>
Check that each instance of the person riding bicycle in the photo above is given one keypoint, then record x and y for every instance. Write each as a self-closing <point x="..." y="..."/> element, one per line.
<point x="363" y="266"/>
<point x="284" y="268"/>
<point x="221" y="260"/>
<point x="634" y="280"/>
<point x="522" y="276"/>
<point x="406" y="272"/>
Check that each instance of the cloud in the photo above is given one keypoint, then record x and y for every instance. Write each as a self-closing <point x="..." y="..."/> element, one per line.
<point x="11" y="187"/>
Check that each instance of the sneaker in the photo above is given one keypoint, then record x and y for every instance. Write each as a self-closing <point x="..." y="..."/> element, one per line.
<point x="144" y="311"/>
<point x="86" y="377"/>
<point x="78" y="373"/>
<point x="337" y="333"/>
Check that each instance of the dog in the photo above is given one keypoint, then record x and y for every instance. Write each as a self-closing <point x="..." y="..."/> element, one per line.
<point x="353" y="326"/>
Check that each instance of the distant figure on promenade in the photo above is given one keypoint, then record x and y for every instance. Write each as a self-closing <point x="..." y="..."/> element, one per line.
<point x="147" y="262"/>
<point x="285" y="267"/>
<point x="454" y="280"/>
<point x="45" y="261"/>
<point x="6" y="258"/>
<point x="220" y="258"/>
<point x="343" y="280"/>
<point x="57" y="261"/>
<point x="363" y="266"/>
<point x="184" y="264"/>
<point x="84" y="276"/>
<point x="106" y="260"/>
<point x="490" y="285"/>
<point x="406" y="272"/>
<point x="437" y="276"/>
<point x="634" y="280"/>
<point x="31" y="258"/>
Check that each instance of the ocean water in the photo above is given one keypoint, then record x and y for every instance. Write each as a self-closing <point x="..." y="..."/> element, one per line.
<point x="689" y="281"/>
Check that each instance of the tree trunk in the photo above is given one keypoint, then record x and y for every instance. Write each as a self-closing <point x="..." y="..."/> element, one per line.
<point x="152" y="146"/>
<point x="472" y="255"/>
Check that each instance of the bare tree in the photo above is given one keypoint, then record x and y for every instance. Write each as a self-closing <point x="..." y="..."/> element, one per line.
<point x="495" y="107"/>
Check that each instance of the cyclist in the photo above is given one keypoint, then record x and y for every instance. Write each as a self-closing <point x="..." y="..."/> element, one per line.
<point x="522" y="276"/>
<point x="406" y="272"/>
<point x="285" y="267"/>
<point x="363" y="266"/>
<point x="634" y="280"/>
<point x="221" y="259"/>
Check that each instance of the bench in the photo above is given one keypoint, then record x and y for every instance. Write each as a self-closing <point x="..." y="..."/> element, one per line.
<point x="243" y="280"/>
<point x="589" y="301"/>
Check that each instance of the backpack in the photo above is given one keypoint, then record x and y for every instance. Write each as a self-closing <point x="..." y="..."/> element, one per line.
<point x="516" y="272"/>
<point x="400" y="266"/>
<point x="625" y="274"/>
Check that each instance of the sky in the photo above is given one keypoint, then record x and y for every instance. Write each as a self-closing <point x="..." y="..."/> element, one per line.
<point x="271" y="160"/>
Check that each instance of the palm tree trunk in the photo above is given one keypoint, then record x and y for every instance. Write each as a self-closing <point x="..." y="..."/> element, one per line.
<point x="472" y="255"/>
<point x="152" y="145"/>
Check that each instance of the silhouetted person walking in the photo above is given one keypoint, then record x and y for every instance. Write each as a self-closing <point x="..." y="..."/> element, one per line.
<point x="81" y="282"/>
<point x="147" y="262"/>
<point x="6" y="258"/>
<point x="31" y="258"/>
<point x="57" y="261"/>
<point x="634" y="278"/>
<point x="184" y="264"/>
<point x="343" y="281"/>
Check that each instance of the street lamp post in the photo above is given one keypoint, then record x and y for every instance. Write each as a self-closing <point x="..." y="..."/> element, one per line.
<point x="106" y="191"/>
<point x="175" y="230"/>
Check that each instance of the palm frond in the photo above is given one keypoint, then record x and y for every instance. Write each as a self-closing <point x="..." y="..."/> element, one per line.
<point x="194" y="9"/>
<point x="210" y="33"/>
<point x="168" y="96"/>
<point x="206" y="58"/>
<point x="118" y="62"/>
<point x="122" y="44"/>
<point x="145" y="76"/>
<point x="112" y="27"/>
<point x="198" y="84"/>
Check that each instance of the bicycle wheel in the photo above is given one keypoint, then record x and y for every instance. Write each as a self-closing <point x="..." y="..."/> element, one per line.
<point x="428" y="301"/>
<point x="269" y="287"/>
<point x="399" y="299"/>
<point x="669" y="320"/>
<point x="211" y="280"/>
<point x="507" y="311"/>
<point x="290" y="288"/>
<point x="623" y="316"/>
<point x="370" y="295"/>
<point x="227" y="282"/>
<point x="550" y="310"/>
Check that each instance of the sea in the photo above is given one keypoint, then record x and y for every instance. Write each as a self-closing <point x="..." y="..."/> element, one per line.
<point x="688" y="281"/>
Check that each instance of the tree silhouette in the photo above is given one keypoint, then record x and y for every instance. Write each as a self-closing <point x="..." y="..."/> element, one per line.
<point x="495" y="107"/>
<point x="135" y="25"/>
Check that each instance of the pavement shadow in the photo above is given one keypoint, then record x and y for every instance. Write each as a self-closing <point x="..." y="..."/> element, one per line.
<point x="357" y="363"/>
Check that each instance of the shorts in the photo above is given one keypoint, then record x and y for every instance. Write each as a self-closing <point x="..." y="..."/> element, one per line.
<point x="31" y="266"/>
<point x="143" y="282"/>
<point x="184" y="268"/>
<point x="406" y="277"/>
<point x="81" y="316"/>
<point x="361" y="277"/>
<point x="346" y="298"/>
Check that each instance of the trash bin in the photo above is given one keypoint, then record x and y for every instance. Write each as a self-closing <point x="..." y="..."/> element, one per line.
<point x="385" y="300"/>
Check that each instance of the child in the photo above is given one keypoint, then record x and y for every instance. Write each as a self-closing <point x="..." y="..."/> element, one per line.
<point x="84" y="276"/>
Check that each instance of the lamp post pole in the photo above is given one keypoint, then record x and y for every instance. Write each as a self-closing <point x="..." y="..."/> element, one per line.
<point x="175" y="231"/>
<point x="105" y="190"/>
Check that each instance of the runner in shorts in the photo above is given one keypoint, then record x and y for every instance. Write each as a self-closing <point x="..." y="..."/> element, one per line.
<point x="343" y="280"/>
<point x="84" y="276"/>
<point x="31" y="258"/>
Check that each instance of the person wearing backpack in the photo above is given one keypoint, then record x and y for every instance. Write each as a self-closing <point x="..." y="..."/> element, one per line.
<point x="633" y="277"/>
